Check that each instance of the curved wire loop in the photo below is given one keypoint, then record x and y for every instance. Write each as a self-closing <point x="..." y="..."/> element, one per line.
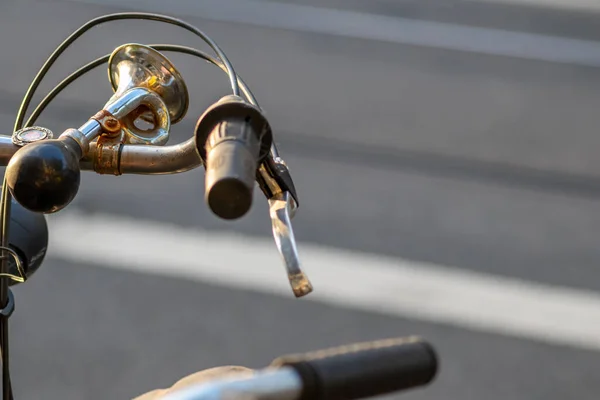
<point x="19" y="263"/>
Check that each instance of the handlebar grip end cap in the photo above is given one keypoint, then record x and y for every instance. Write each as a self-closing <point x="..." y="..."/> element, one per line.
<point x="44" y="176"/>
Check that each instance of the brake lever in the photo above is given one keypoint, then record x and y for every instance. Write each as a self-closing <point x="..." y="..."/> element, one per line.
<point x="281" y="210"/>
<point x="275" y="181"/>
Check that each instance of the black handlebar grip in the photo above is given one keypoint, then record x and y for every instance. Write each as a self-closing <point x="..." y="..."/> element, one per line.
<point x="365" y="369"/>
<point x="44" y="176"/>
<point x="28" y="237"/>
<point x="232" y="137"/>
<point x="231" y="160"/>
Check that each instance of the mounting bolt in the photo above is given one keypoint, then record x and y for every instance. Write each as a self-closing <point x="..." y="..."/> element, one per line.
<point x="110" y="125"/>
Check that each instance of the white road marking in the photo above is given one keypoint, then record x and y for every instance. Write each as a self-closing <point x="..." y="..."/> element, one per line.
<point x="349" y="279"/>
<point x="376" y="27"/>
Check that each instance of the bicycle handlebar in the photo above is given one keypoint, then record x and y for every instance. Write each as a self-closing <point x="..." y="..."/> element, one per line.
<point x="355" y="371"/>
<point x="126" y="158"/>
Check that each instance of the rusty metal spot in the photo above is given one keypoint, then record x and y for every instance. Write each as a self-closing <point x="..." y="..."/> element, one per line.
<point x="111" y="126"/>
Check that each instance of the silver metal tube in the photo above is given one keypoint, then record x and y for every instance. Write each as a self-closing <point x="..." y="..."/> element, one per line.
<point x="121" y="104"/>
<point x="280" y="384"/>
<point x="141" y="159"/>
<point x="91" y="129"/>
<point x="7" y="149"/>
<point x="151" y="160"/>
<point x="135" y="159"/>
<point x="86" y="163"/>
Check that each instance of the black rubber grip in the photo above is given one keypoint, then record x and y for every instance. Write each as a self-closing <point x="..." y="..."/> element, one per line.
<point x="232" y="137"/>
<point x="364" y="370"/>
<point x="231" y="162"/>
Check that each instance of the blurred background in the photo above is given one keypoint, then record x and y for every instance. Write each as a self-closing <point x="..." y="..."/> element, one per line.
<point x="455" y="137"/>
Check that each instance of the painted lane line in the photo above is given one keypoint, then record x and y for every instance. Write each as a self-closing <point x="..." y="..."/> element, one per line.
<point x="350" y="279"/>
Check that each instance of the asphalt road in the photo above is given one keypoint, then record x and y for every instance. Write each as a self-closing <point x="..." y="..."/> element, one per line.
<point x="474" y="161"/>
